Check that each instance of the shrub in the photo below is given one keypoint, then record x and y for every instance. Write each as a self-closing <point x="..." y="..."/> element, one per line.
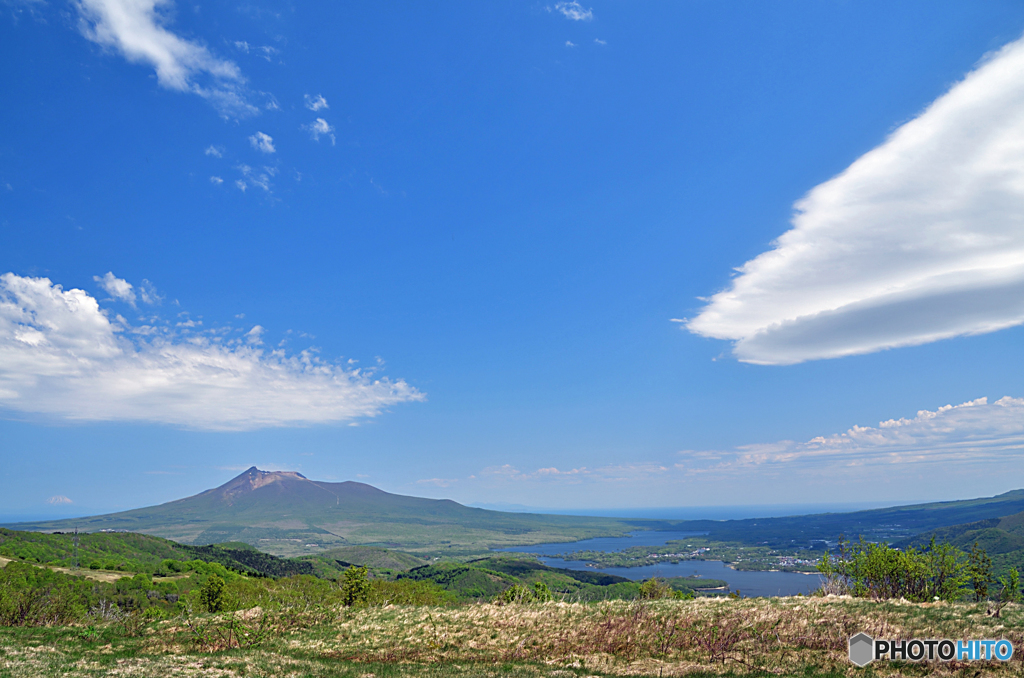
<point x="877" y="571"/>
<point x="517" y="593"/>
<point x="655" y="589"/>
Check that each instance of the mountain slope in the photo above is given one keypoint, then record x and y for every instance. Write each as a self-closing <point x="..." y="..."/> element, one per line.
<point x="288" y="514"/>
<point x="1002" y="539"/>
<point x="885" y="524"/>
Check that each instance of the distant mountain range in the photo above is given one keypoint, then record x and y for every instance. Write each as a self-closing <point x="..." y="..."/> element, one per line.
<point x="287" y="514"/>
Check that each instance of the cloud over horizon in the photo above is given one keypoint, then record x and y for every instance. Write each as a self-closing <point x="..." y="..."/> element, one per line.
<point x="61" y="355"/>
<point x="920" y="239"/>
<point x="974" y="438"/>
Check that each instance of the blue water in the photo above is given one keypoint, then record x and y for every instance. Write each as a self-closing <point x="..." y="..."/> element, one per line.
<point x="606" y="544"/>
<point x="754" y="584"/>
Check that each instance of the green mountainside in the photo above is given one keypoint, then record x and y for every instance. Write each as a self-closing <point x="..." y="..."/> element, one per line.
<point x="373" y="557"/>
<point x="1002" y="538"/>
<point x="287" y="514"/>
<point x="139" y="553"/>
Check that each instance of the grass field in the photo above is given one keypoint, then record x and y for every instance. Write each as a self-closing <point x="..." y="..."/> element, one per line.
<point x="776" y="636"/>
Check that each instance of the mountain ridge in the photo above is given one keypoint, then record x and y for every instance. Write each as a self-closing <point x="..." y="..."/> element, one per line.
<point x="285" y="513"/>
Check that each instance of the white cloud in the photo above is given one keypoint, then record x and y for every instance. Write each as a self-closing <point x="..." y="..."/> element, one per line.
<point x="262" y="142"/>
<point x="599" y="41"/>
<point x="570" y="43"/>
<point x="59" y="500"/>
<point x="920" y="239"/>
<point x="319" y="128"/>
<point x="116" y="287"/>
<point x="316" y="103"/>
<point x="254" y="177"/>
<point x="215" y="151"/>
<point x="241" y="185"/>
<point x="136" y="29"/>
<point x="62" y="356"/>
<point x="973" y="434"/>
<point x="148" y="293"/>
<point x="575" y="11"/>
<point x="216" y="181"/>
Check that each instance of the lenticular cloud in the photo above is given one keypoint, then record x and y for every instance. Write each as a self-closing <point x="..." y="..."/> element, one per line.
<point x="61" y="355"/>
<point x="920" y="239"/>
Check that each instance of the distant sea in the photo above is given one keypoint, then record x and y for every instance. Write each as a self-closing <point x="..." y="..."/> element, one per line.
<point x="700" y="512"/>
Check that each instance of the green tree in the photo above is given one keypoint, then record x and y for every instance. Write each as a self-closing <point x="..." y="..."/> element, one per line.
<point x="948" y="573"/>
<point x="355" y="586"/>
<point x="211" y="595"/>
<point x="979" y="567"/>
<point x="541" y="592"/>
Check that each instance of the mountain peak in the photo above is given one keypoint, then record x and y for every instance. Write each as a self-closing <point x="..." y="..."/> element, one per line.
<point x="253" y="479"/>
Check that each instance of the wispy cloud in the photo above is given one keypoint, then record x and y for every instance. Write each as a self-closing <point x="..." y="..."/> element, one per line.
<point x="436" y="482"/>
<point x="973" y="432"/>
<point x="116" y="287"/>
<point x="316" y="103"/>
<point x="918" y="240"/>
<point x="255" y="177"/>
<point x="216" y="181"/>
<point x="137" y="29"/>
<point x="629" y="472"/>
<point x="264" y="51"/>
<point x="262" y="142"/>
<point x="62" y="356"/>
<point x="59" y="500"/>
<point x="319" y="128"/>
<point x="570" y="43"/>
<point x="575" y="11"/>
<point x="215" y="151"/>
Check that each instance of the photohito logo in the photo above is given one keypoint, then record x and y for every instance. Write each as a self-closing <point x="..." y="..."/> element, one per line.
<point x="864" y="649"/>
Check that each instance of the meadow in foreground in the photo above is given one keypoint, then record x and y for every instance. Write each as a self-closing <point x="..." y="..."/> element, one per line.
<point x="764" y="636"/>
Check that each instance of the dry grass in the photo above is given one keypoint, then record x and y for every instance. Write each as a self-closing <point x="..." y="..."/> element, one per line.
<point x="781" y="636"/>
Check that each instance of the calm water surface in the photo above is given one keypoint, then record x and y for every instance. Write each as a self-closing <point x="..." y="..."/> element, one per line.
<point x="747" y="583"/>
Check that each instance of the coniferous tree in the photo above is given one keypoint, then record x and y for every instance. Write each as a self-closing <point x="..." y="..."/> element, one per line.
<point x="980" y="570"/>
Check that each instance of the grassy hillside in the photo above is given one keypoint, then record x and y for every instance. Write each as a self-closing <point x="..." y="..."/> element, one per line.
<point x="288" y="514"/>
<point x="138" y="553"/>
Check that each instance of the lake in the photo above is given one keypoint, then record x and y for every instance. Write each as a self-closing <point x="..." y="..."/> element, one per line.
<point x="749" y="583"/>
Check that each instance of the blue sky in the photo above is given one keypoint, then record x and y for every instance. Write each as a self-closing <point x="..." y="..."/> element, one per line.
<point x="598" y="255"/>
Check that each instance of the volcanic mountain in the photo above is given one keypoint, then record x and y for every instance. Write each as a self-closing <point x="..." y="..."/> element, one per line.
<point x="286" y="513"/>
